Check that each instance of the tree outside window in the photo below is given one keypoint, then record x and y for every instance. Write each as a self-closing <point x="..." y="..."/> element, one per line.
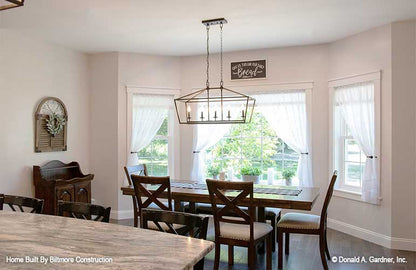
<point x="256" y="145"/>
<point x="155" y="155"/>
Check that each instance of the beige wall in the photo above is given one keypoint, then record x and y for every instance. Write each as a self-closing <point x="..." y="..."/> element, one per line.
<point x="403" y="219"/>
<point x="103" y="114"/>
<point x="362" y="53"/>
<point x="29" y="71"/>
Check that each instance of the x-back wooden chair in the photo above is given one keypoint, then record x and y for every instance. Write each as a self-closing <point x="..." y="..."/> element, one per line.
<point x="307" y="224"/>
<point x="147" y="198"/>
<point x="192" y="225"/>
<point x="1" y="201"/>
<point x="18" y="203"/>
<point x="135" y="170"/>
<point x="84" y="211"/>
<point x="242" y="231"/>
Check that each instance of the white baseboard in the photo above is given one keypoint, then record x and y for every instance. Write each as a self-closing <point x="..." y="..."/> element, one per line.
<point x="403" y="243"/>
<point x="374" y="237"/>
<point x="122" y="214"/>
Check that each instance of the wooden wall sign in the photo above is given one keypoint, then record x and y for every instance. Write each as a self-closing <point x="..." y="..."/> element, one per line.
<point x="254" y="69"/>
<point x="51" y="123"/>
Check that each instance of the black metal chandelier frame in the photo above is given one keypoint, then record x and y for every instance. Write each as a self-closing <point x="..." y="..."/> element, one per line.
<point x="13" y="4"/>
<point x="205" y="96"/>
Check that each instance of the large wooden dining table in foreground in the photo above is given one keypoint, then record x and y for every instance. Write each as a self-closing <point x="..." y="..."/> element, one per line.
<point x="113" y="246"/>
<point x="299" y="198"/>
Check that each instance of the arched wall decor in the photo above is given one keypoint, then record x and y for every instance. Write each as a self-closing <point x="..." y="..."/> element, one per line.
<point x="51" y="123"/>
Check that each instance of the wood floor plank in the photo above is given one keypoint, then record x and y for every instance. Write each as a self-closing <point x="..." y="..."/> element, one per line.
<point x="304" y="254"/>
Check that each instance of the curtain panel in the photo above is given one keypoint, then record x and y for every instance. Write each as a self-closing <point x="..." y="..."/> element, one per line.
<point x="356" y="104"/>
<point x="205" y="136"/>
<point x="286" y="113"/>
<point x="149" y="111"/>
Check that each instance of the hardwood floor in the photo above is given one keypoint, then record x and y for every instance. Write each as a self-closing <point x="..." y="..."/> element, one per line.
<point x="304" y="254"/>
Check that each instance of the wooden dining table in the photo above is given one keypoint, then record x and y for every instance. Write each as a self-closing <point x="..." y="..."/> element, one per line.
<point x="287" y="197"/>
<point x="34" y="241"/>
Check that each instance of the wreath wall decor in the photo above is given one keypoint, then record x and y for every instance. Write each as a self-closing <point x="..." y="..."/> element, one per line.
<point x="51" y="122"/>
<point x="55" y="124"/>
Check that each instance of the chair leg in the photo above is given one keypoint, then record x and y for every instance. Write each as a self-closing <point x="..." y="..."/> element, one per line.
<point x="326" y="246"/>
<point x="230" y="255"/>
<point x="273" y="235"/>
<point x="252" y="257"/>
<point x="217" y="256"/>
<point x="277" y="221"/>
<point x="270" y="239"/>
<point x="280" y="248"/>
<point x="287" y="241"/>
<point x="322" y="251"/>
<point x="136" y="219"/>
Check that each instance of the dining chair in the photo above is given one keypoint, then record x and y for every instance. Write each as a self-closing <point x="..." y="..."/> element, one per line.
<point x="138" y="170"/>
<point x="301" y="223"/>
<point x="241" y="230"/>
<point x="19" y="202"/>
<point x="191" y="225"/>
<point x="1" y="201"/>
<point x="85" y="211"/>
<point x="273" y="215"/>
<point x="147" y="198"/>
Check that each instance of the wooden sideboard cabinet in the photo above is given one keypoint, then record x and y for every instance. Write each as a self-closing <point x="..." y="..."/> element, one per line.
<point x="59" y="181"/>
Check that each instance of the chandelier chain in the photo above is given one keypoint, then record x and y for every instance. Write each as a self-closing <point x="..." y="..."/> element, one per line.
<point x="207" y="83"/>
<point x="221" y="82"/>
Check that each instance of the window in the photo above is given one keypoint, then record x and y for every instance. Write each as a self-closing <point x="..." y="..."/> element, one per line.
<point x="355" y="136"/>
<point x="155" y="155"/>
<point x="256" y="145"/>
<point x="151" y="129"/>
<point x="349" y="158"/>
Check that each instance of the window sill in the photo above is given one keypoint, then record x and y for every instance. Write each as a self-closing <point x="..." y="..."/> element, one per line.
<point x="347" y="194"/>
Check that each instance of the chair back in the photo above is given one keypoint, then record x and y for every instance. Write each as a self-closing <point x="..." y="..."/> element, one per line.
<point x="84" y="211"/>
<point x="151" y="196"/>
<point x="1" y="201"/>
<point x="231" y="194"/>
<point x="195" y="225"/>
<point x="137" y="169"/>
<point x="18" y="202"/>
<point x="328" y="197"/>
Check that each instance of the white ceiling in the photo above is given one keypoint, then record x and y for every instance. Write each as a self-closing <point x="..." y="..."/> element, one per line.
<point x="171" y="27"/>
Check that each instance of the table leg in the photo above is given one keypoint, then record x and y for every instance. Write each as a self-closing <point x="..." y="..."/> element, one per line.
<point x="178" y="206"/>
<point x="192" y="207"/>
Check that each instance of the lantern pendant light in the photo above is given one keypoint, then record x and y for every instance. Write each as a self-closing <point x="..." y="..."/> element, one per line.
<point x="6" y="4"/>
<point x="214" y="105"/>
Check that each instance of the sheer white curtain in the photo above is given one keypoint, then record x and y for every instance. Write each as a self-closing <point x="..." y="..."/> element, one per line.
<point x="356" y="103"/>
<point x="286" y="114"/>
<point x="204" y="137"/>
<point x="149" y="111"/>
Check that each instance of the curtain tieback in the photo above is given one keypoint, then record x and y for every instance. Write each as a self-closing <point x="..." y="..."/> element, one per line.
<point x="132" y="152"/>
<point x="196" y="152"/>
<point x="371" y="157"/>
<point x="304" y="153"/>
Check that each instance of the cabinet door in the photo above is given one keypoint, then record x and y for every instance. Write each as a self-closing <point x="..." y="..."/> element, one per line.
<point x="64" y="193"/>
<point x="83" y="192"/>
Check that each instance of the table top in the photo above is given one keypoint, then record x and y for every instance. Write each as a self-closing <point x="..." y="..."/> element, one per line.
<point x="302" y="201"/>
<point x="37" y="236"/>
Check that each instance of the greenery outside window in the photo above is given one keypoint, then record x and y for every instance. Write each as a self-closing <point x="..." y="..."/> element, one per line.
<point x="155" y="155"/>
<point x="349" y="158"/>
<point x="256" y="145"/>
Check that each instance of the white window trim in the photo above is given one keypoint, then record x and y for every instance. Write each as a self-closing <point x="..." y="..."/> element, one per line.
<point x="374" y="77"/>
<point x="173" y="138"/>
